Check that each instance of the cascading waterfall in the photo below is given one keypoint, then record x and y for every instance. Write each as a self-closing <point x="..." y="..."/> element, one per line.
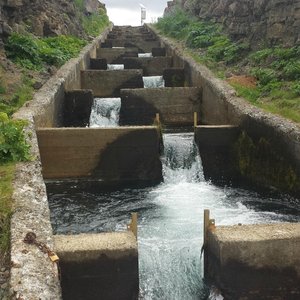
<point x="105" y="112"/>
<point x="142" y="55"/>
<point x="170" y="227"/>
<point x="153" y="81"/>
<point x="114" y="67"/>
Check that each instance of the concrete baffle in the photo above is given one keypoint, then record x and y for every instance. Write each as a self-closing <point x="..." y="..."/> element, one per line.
<point x="98" y="266"/>
<point x="77" y="108"/>
<point x="255" y="261"/>
<point x="115" y="55"/>
<point x="216" y="145"/>
<point x="174" y="77"/>
<point x="108" y="83"/>
<point x="98" y="64"/>
<point x="176" y="106"/>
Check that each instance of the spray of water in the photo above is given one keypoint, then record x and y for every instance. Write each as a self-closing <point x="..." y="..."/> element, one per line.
<point x="105" y="112"/>
<point x="153" y="82"/>
<point x="115" y="67"/>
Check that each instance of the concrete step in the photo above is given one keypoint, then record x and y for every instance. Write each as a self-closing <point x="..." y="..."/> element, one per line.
<point x="151" y="66"/>
<point x="176" y="106"/>
<point x="122" y="154"/>
<point x="115" y="55"/>
<point x="109" y="83"/>
<point x="142" y="45"/>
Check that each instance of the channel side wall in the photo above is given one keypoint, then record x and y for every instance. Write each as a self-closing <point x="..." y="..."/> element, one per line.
<point x="109" y="154"/>
<point x="101" y="265"/>
<point x="255" y="261"/>
<point x="33" y="275"/>
<point x="274" y="159"/>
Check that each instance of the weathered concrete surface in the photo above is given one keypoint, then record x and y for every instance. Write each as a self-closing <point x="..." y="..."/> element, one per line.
<point x="115" y="55"/>
<point x="109" y="83"/>
<point x="95" y="266"/>
<point x="151" y="66"/>
<point x="220" y="105"/>
<point x="110" y="154"/>
<point x="256" y="261"/>
<point x="142" y="45"/>
<point x="98" y="63"/>
<point x="156" y="52"/>
<point x="217" y="150"/>
<point x="174" y="77"/>
<point x="176" y="106"/>
<point x="33" y="276"/>
<point x="77" y="108"/>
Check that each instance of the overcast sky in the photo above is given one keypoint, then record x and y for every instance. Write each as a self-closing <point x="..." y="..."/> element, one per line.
<point x="128" y="12"/>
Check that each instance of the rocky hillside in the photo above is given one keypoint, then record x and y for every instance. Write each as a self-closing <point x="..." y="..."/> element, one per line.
<point x="45" y="17"/>
<point x="258" y="21"/>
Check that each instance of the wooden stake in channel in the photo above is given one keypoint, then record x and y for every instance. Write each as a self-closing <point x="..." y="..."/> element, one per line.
<point x="195" y="119"/>
<point x="133" y="224"/>
<point x="157" y="118"/>
<point x="205" y="225"/>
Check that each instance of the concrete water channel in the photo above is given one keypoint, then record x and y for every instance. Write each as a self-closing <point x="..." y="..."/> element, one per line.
<point x="134" y="126"/>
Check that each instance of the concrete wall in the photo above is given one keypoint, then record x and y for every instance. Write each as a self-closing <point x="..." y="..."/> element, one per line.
<point x="217" y="150"/>
<point x="255" y="261"/>
<point x="151" y="66"/>
<point x="33" y="275"/>
<point x="115" y="56"/>
<point x="98" y="266"/>
<point x="221" y="106"/>
<point x="109" y="83"/>
<point x="176" y="106"/>
<point x="110" y="154"/>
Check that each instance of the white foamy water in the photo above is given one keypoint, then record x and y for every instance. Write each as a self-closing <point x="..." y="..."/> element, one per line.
<point x="153" y="81"/>
<point x="145" y="55"/>
<point x="170" y="218"/>
<point x="105" y="112"/>
<point x="115" y="67"/>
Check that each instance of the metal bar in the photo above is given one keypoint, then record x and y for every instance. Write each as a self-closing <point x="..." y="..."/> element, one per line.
<point x="195" y="119"/>
<point x="133" y="224"/>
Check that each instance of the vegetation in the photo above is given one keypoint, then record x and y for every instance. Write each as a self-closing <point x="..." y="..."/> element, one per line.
<point x="276" y="70"/>
<point x="34" y="53"/>
<point x="93" y="24"/>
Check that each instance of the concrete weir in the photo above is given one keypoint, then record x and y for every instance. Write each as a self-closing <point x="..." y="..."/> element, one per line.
<point x="98" y="266"/>
<point x="255" y="261"/>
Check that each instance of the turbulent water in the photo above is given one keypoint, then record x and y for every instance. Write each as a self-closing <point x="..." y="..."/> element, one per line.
<point x="153" y="82"/>
<point x="170" y="218"/>
<point x="144" y="55"/>
<point x="105" y="112"/>
<point x="115" y="67"/>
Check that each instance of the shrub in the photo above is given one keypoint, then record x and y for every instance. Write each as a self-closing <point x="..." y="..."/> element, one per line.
<point x="95" y="23"/>
<point x="13" y="146"/>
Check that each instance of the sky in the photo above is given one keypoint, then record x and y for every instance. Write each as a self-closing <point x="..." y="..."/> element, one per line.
<point x="128" y="12"/>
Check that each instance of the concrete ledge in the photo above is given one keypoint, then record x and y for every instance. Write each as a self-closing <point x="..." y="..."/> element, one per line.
<point x="151" y="66"/>
<point x="176" y="106"/>
<point x="109" y="83"/>
<point x="115" y="55"/>
<point x="256" y="260"/>
<point x="110" y="154"/>
<point x="94" y="266"/>
<point x="142" y="45"/>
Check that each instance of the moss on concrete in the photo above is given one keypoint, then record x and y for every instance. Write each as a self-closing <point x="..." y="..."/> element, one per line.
<point x="260" y="162"/>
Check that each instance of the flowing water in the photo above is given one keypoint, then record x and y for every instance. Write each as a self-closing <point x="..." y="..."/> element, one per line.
<point x="170" y="218"/>
<point x="153" y="81"/>
<point x="145" y="55"/>
<point x="115" y="67"/>
<point x="105" y="112"/>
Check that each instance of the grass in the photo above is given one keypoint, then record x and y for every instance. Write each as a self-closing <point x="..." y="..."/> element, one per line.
<point x="276" y="70"/>
<point x="6" y="190"/>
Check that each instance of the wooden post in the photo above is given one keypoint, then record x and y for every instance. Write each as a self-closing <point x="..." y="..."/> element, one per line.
<point x="133" y="224"/>
<point x="157" y="118"/>
<point x="195" y="119"/>
<point x="205" y="229"/>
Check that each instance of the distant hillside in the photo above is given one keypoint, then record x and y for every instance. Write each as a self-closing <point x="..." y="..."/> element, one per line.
<point x="260" y="22"/>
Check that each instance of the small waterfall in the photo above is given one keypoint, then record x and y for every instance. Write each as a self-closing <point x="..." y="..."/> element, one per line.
<point x="115" y="67"/>
<point x="154" y="82"/>
<point x="145" y="55"/>
<point x="105" y="112"/>
<point x="181" y="160"/>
